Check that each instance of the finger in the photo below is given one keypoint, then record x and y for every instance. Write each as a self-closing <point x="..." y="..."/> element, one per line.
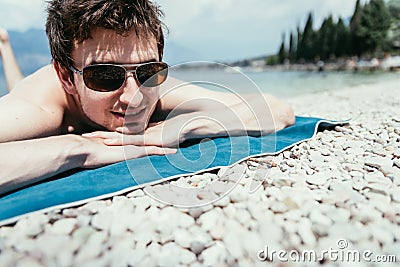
<point x="137" y="140"/>
<point x="155" y="150"/>
<point x="132" y="152"/>
<point x="104" y="135"/>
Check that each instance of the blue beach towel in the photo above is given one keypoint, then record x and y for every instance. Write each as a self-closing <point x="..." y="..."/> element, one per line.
<point x="76" y="188"/>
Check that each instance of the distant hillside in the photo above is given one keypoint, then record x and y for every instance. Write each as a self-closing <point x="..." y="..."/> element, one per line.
<point x="31" y="49"/>
<point x="175" y="54"/>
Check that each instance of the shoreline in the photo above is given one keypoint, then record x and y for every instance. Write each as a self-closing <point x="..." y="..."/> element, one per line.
<point x="342" y="185"/>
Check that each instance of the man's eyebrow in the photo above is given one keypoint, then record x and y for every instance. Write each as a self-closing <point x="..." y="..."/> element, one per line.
<point x="93" y="62"/>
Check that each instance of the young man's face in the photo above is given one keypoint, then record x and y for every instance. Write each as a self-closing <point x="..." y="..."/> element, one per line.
<point x="108" y="109"/>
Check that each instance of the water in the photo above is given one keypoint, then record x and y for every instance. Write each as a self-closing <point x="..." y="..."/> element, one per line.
<point x="280" y="83"/>
<point x="287" y="83"/>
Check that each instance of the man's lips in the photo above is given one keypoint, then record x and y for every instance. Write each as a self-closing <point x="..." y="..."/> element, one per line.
<point x="129" y="115"/>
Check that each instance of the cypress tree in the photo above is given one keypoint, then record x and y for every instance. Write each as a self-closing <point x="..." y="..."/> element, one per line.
<point x="292" y="48"/>
<point x="298" y="43"/>
<point x="282" y="50"/>
<point x="374" y="24"/>
<point x="306" y="43"/>
<point x="326" y="39"/>
<point x="342" y="41"/>
<point x="355" y="41"/>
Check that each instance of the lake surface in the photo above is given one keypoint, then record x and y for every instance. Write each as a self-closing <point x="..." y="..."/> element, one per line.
<point x="280" y="83"/>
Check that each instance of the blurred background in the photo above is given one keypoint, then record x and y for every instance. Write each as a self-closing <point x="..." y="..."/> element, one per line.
<point x="286" y="47"/>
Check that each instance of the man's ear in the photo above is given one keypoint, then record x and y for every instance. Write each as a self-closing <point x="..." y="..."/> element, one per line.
<point x="65" y="78"/>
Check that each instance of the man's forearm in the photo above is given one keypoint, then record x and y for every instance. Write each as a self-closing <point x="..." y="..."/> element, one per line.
<point x="26" y="162"/>
<point x="11" y="69"/>
<point x="253" y="116"/>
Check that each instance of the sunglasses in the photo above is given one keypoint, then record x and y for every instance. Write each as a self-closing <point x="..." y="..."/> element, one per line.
<point x="110" y="77"/>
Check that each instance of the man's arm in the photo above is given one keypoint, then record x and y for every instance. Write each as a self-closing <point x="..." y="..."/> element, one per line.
<point x="195" y="112"/>
<point x="29" y="161"/>
<point x="31" y="147"/>
<point x="12" y="71"/>
<point x="192" y="98"/>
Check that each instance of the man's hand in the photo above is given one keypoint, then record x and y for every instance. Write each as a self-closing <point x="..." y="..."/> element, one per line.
<point x="156" y="135"/>
<point x="3" y="38"/>
<point x="102" y="154"/>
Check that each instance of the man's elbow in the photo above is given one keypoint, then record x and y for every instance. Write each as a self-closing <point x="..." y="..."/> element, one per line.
<point x="285" y="117"/>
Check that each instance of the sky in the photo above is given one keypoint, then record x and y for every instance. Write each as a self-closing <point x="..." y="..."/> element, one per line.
<point x="224" y="30"/>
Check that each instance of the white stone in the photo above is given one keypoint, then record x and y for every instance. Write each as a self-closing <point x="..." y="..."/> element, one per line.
<point x="278" y="207"/>
<point x="187" y="257"/>
<point x="319" y="218"/>
<point x="305" y="232"/>
<point x="169" y="255"/>
<point x="65" y="258"/>
<point x="381" y="234"/>
<point x="395" y="194"/>
<point x="397" y="162"/>
<point x="238" y="194"/>
<point x="28" y="261"/>
<point x="209" y="219"/>
<point x="233" y="244"/>
<point x="92" y="248"/>
<point x="51" y="244"/>
<point x="82" y="234"/>
<point x="243" y="216"/>
<point x="217" y="232"/>
<point x="31" y="226"/>
<point x="102" y="220"/>
<point x="222" y="201"/>
<point x="379" y="162"/>
<point x="136" y="193"/>
<point x="378" y="188"/>
<point x="317" y="179"/>
<point x="94" y="206"/>
<point x="64" y="226"/>
<point x="182" y="237"/>
<point x="213" y="255"/>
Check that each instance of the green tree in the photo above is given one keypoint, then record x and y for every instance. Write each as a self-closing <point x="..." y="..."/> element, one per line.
<point x="305" y="49"/>
<point x="326" y="39"/>
<point x="342" y="39"/>
<point x="355" y="41"/>
<point x="374" y="25"/>
<point x="282" y="50"/>
<point x="393" y="38"/>
<point x="298" y="43"/>
<point x="292" y="48"/>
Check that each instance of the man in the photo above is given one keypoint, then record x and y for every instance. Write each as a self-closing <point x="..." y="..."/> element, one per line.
<point x="106" y="83"/>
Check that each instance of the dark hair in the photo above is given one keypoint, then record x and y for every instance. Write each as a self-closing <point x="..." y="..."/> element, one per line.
<point x="72" y="20"/>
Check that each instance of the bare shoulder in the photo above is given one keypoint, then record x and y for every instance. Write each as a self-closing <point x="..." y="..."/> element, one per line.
<point x="41" y="88"/>
<point x="34" y="108"/>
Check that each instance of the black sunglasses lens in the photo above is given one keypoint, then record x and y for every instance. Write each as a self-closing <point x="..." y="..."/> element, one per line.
<point x="104" y="78"/>
<point x="152" y="74"/>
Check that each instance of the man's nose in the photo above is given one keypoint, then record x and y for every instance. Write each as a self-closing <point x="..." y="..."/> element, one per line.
<point x="131" y="94"/>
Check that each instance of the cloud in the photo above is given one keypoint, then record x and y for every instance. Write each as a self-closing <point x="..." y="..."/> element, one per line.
<point x="22" y="15"/>
<point x="231" y="29"/>
<point x="216" y="30"/>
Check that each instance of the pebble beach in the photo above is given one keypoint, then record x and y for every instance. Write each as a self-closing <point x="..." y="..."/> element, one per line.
<point x="336" y="197"/>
